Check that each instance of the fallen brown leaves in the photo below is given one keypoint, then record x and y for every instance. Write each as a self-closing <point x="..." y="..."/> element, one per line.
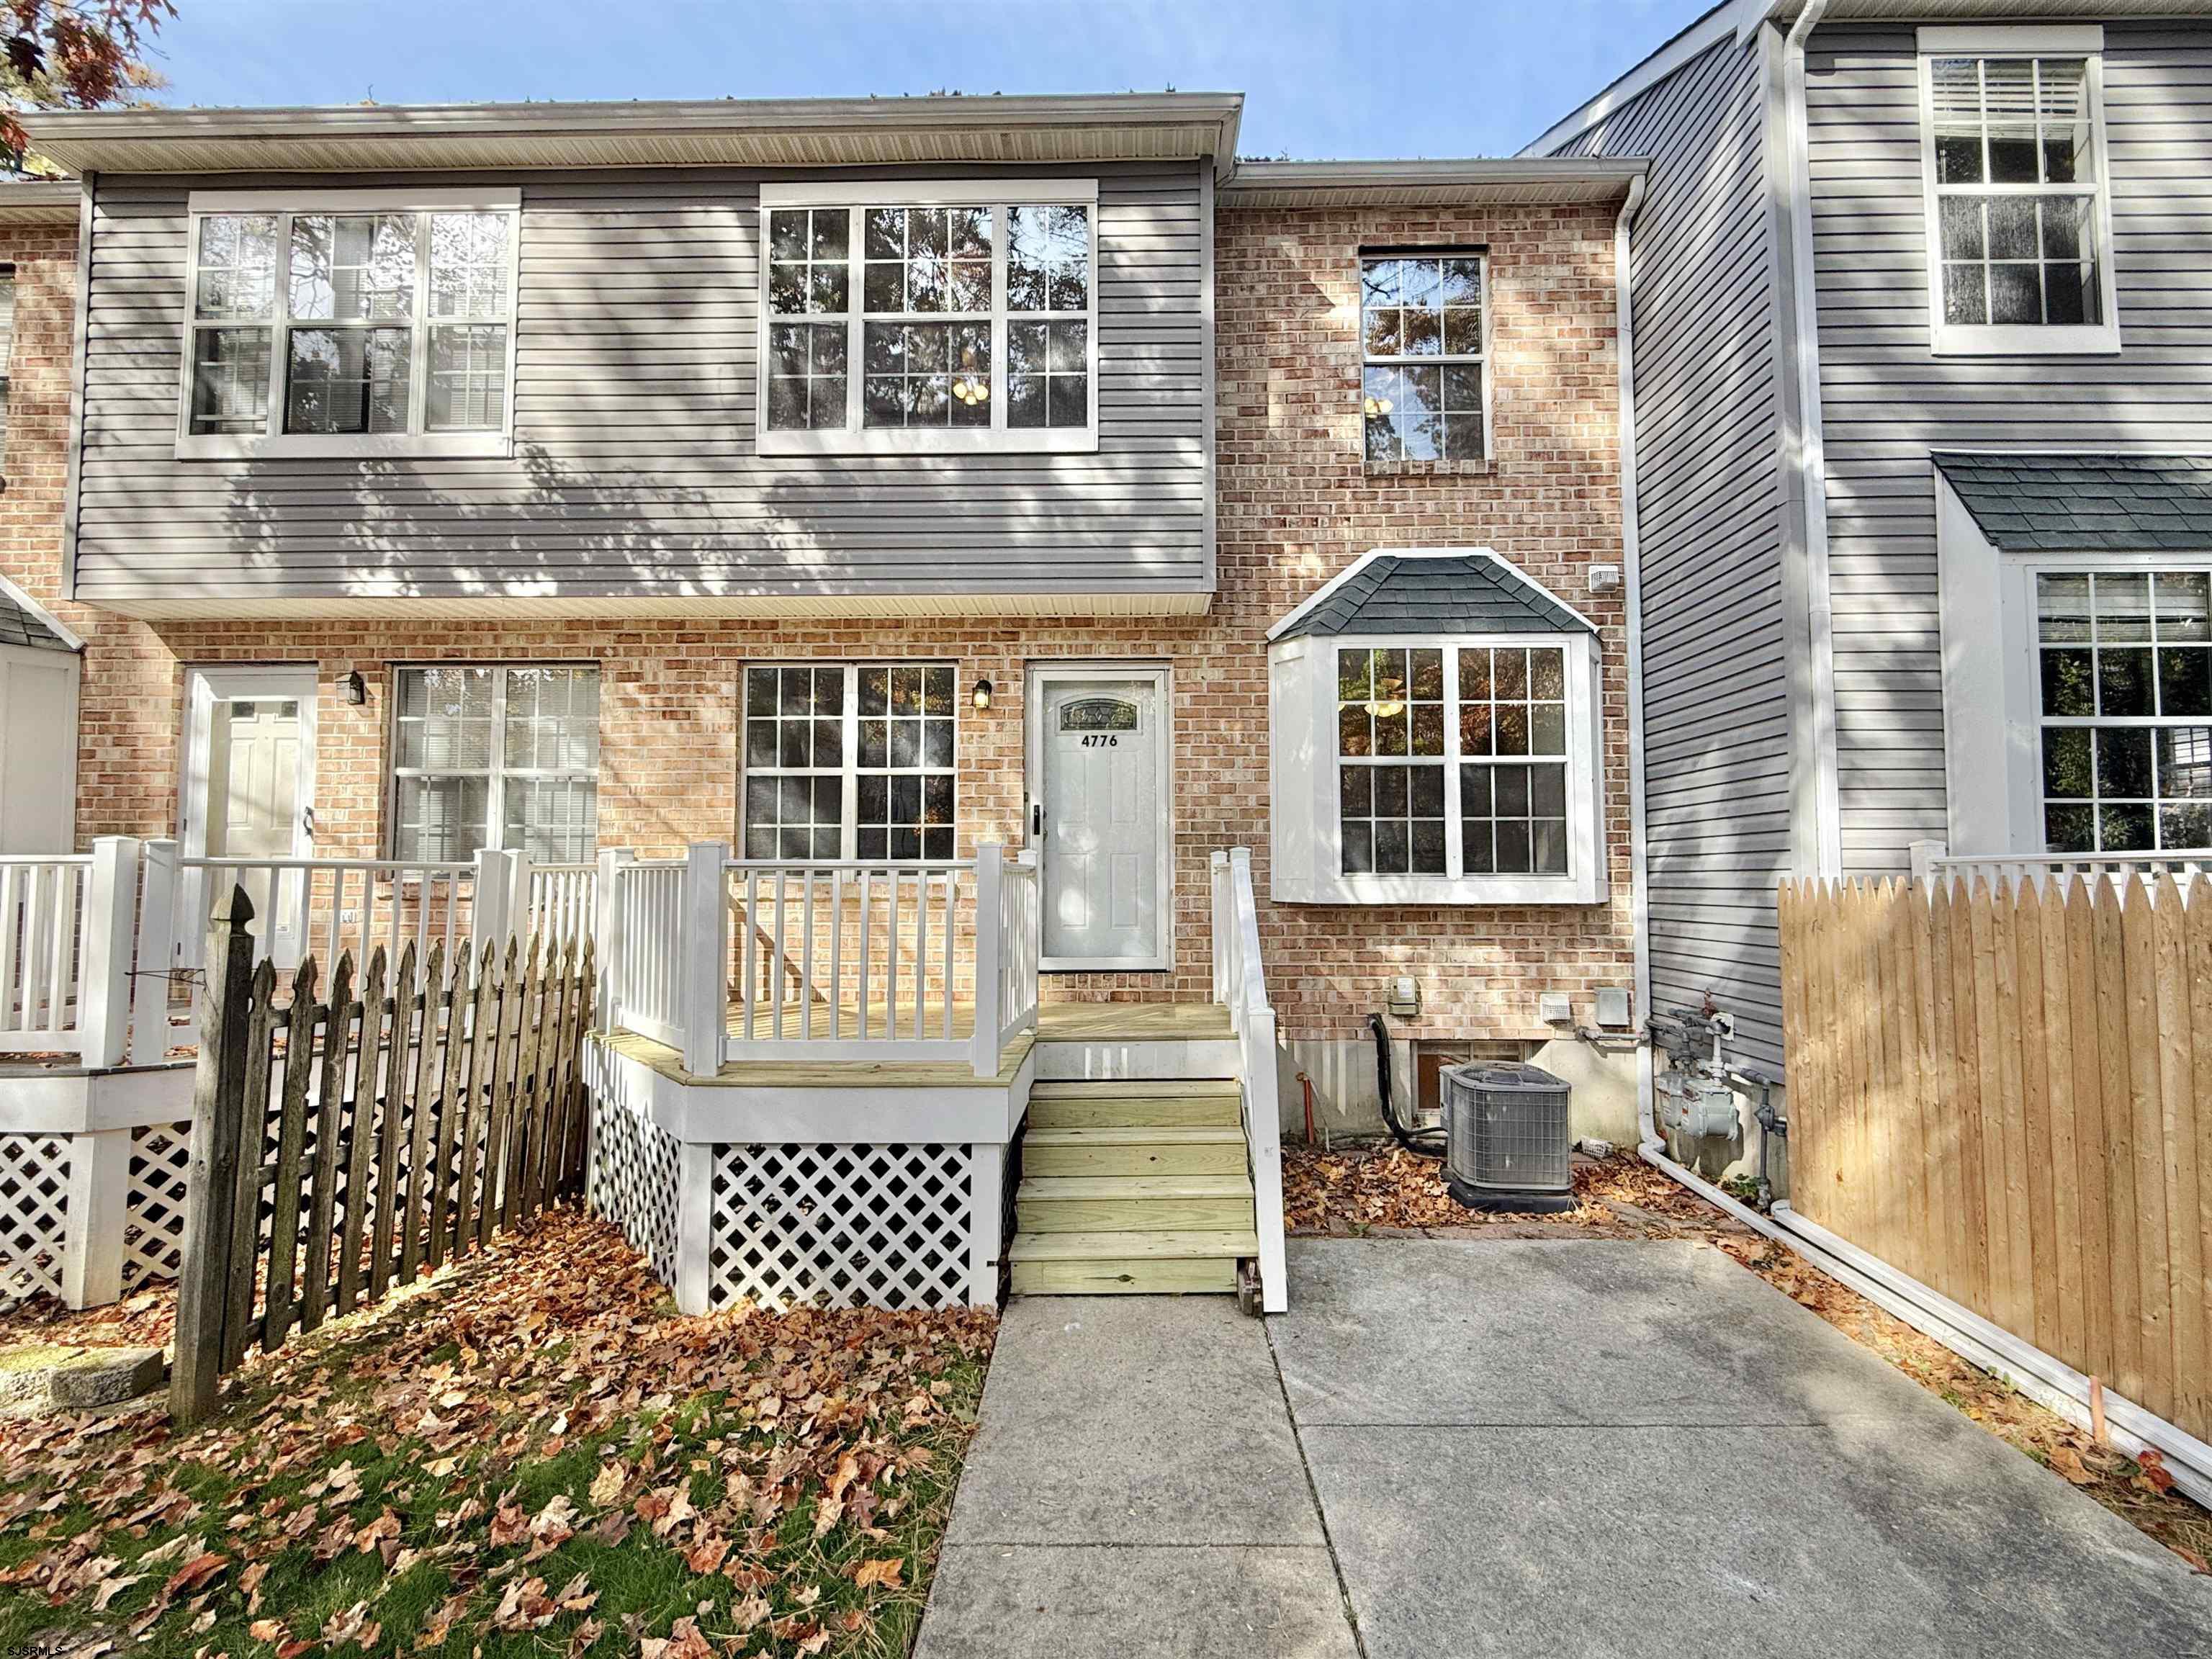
<point x="1385" y="1191"/>
<point x="535" y="1455"/>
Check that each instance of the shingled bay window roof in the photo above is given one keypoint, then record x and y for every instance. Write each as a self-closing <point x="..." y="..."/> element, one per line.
<point x="2086" y="503"/>
<point x="25" y="622"/>
<point x="1447" y="590"/>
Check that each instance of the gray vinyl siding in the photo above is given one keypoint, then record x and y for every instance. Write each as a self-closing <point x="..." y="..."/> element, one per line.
<point x="634" y="473"/>
<point x="1887" y="403"/>
<point x="1710" y="502"/>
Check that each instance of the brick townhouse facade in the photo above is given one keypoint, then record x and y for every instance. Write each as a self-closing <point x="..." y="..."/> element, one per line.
<point x="1297" y="503"/>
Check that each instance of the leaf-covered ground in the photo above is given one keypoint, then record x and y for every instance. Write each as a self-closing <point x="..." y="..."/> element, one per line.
<point x="533" y="1454"/>
<point x="1385" y="1191"/>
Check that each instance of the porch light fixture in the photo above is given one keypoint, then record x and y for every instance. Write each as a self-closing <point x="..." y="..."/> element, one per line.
<point x="356" y="688"/>
<point x="982" y="694"/>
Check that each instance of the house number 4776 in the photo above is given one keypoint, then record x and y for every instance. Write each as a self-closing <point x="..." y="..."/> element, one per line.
<point x="1101" y="740"/>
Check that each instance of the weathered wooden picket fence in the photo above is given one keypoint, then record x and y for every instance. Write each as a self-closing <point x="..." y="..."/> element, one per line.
<point x="2007" y="1094"/>
<point x="341" y="1146"/>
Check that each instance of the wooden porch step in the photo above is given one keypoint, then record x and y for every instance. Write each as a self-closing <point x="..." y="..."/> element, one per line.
<point x="1131" y="1105"/>
<point x="1128" y="1263"/>
<point x="1147" y="1149"/>
<point x="1124" y="1276"/>
<point x="1148" y="1204"/>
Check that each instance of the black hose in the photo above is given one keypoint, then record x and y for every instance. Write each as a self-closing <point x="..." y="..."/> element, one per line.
<point x="1428" y="1143"/>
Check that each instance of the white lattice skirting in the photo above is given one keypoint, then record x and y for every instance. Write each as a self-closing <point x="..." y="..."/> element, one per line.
<point x="633" y="1182"/>
<point x="154" y="1204"/>
<point x="34" y="1185"/>
<point x="840" y="1226"/>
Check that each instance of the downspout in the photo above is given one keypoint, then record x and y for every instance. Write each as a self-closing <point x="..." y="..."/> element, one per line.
<point x="1632" y="543"/>
<point x="1812" y="460"/>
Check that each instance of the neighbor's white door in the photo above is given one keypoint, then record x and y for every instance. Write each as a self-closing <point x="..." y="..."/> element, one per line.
<point x="249" y="782"/>
<point x="1099" y="755"/>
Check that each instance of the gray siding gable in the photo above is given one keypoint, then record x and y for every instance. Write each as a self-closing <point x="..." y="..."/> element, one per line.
<point x="634" y="477"/>
<point x="1711" y="504"/>
<point x="1466" y="593"/>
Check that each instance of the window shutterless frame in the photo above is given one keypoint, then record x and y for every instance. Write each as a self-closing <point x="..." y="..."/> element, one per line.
<point x="848" y="771"/>
<point x="496" y="772"/>
<point x="856" y="439"/>
<point x="1441" y="359"/>
<point x="2001" y="41"/>
<point x="283" y="206"/>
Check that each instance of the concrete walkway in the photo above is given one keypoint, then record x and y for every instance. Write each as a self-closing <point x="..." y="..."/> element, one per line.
<point x="1571" y="1448"/>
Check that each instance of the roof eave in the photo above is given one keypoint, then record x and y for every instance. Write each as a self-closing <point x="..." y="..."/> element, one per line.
<point x="1417" y="183"/>
<point x="39" y="201"/>
<point x="953" y="129"/>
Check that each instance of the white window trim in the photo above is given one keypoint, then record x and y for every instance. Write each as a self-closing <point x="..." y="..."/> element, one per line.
<point x="1992" y="696"/>
<point x="855" y="439"/>
<point x="850" y="770"/>
<point x="1306" y="835"/>
<point x="1481" y="359"/>
<point x="226" y="445"/>
<point x="2017" y="339"/>
<point x="496" y="772"/>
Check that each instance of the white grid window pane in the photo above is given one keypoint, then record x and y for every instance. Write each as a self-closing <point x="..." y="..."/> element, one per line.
<point x="927" y="375"/>
<point x="842" y="761"/>
<point x="354" y="269"/>
<point x="237" y="276"/>
<point x="1390" y="777"/>
<point x="2124" y="690"/>
<point x="515" y="750"/>
<point x="230" y="379"/>
<point x="348" y="379"/>
<point x="467" y="389"/>
<point x="1421" y="328"/>
<point x="1048" y="257"/>
<point x="468" y="264"/>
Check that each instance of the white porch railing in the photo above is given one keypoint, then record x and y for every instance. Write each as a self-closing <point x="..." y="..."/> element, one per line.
<point x="1239" y="983"/>
<point x="42" y="906"/>
<point x="559" y="909"/>
<point x="2003" y="872"/>
<point x="745" y="959"/>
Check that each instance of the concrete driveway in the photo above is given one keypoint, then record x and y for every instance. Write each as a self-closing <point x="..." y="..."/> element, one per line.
<point x="1560" y="1448"/>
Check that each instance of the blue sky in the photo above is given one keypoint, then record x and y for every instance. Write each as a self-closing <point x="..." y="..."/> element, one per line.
<point x="1321" y="78"/>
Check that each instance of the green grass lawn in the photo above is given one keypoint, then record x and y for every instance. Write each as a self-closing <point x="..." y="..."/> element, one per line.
<point x="533" y="1454"/>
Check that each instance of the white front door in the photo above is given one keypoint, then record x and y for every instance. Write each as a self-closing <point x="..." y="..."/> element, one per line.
<point x="1099" y="769"/>
<point x="249" y="793"/>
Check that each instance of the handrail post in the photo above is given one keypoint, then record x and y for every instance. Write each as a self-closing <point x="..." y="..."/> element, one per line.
<point x="159" y="892"/>
<point x="705" y="946"/>
<point x="103" y="991"/>
<point x="491" y="917"/>
<point x="990" y="933"/>
<point x="1924" y="854"/>
<point x="1222" y="913"/>
<point x="520" y="914"/>
<point x="608" y="899"/>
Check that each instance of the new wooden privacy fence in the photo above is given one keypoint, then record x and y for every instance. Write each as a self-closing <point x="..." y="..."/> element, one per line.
<point x="346" y="1139"/>
<point x="2007" y="1094"/>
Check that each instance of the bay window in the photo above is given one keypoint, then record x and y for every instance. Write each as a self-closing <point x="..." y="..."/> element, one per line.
<point x="349" y="323"/>
<point x="1435" y="768"/>
<point x="928" y="317"/>
<point x="495" y="757"/>
<point x="2018" y="220"/>
<point x="849" y="761"/>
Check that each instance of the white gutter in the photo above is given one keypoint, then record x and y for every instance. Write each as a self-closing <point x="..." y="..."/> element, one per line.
<point x="1811" y="458"/>
<point x="1631" y="547"/>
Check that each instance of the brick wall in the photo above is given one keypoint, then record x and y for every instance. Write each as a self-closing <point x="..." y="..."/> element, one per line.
<point x="1296" y="505"/>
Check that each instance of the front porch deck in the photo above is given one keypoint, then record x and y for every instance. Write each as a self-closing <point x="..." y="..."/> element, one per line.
<point x="1086" y="1023"/>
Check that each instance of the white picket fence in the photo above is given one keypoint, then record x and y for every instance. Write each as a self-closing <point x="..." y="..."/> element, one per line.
<point x="741" y="959"/>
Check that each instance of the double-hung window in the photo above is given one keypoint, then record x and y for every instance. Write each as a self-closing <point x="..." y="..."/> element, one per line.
<point x="2123" y="662"/>
<point x="850" y="761"/>
<point x="2018" y="214"/>
<point x="928" y="317"/>
<point x="352" y="323"/>
<point x="504" y="757"/>
<point x="1424" y="395"/>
